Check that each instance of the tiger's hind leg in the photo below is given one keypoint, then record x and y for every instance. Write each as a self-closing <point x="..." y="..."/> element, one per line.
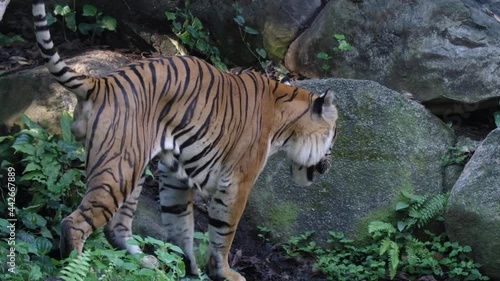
<point x="119" y="230"/>
<point x="104" y="197"/>
<point x="176" y="200"/>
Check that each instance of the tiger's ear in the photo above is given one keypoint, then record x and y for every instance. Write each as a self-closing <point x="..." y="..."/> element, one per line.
<point x="323" y="106"/>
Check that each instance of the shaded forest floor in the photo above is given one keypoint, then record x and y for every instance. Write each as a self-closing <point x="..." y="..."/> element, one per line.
<point x="250" y="255"/>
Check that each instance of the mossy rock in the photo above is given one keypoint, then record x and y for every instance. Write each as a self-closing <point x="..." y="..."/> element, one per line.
<point x="385" y="144"/>
<point x="36" y="93"/>
<point x="473" y="211"/>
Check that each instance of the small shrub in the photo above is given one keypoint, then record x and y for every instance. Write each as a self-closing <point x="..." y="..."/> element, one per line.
<point x="97" y="22"/>
<point x="192" y="34"/>
<point x="458" y="155"/>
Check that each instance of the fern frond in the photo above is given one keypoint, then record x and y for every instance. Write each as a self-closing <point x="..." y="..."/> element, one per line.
<point x="417" y="251"/>
<point x="378" y="228"/>
<point x="385" y="246"/>
<point x="393" y="259"/>
<point x="417" y="204"/>
<point x="78" y="268"/>
<point x="432" y="208"/>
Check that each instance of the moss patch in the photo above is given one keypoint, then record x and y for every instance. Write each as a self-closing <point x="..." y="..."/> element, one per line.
<point x="283" y="216"/>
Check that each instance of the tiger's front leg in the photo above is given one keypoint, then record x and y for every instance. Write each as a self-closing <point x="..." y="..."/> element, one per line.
<point x="226" y="208"/>
<point x="176" y="200"/>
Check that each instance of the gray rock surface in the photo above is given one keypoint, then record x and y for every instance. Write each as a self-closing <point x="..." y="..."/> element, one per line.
<point x="278" y="21"/>
<point x="35" y="93"/>
<point x="385" y="144"/>
<point x="473" y="211"/>
<point x="439" y="51"/>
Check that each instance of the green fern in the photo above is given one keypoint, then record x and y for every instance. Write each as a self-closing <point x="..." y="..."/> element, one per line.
<point x="78" y="268"/>
<point x="432" y="208"/>
<point x="393" y="259"/>
<point x="380" y="229"/>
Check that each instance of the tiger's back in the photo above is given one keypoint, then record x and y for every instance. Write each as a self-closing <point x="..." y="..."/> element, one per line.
<point x="213" y="132"/>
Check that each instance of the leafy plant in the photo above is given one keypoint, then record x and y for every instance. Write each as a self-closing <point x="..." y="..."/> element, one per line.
<point x="98" y="22"/>
<point x="48" y="189"/>
<point x="201" y="248"/>
<point x="394" y="247"/>
<point x="101" y="23"/>
<point x="259" y="53"/>
<point x="68" y="16"/>
<point x="458" y="155"/>
<point x="343" y="46"/>
<point x="301" y="244"/>
<point x="264" y="233"/>
<point x="9" y="40"/>
<point x="192" y="34"/>
<point x="78" y="267"/>
<point x="325" y="57"/>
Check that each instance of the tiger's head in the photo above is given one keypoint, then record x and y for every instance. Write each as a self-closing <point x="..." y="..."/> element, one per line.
<point x="309" y="147"/>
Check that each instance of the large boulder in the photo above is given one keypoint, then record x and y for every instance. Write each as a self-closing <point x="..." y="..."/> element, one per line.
<point x="278" y="22"/>
<point x="439" y="51"/>
<point x="35" y="92"/>
<point x="385" y="144"/>
<point x="473" y="211"/>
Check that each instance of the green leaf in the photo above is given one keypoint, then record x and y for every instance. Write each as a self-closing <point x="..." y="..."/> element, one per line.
<point x="238" y="8"/>
<point x="170" y="16"/>
<point x="239" y="20"/>
<point x="262" y="53"/>
<point x="108" y="23"/>
<point x="196" y="24"/>
<point x="58" y="10"/>
<point x="34" y="176"/>
<point x="89" y="11"/>
<point x="146" y="272"/>
<point x="339" y="37"/>
<point x="402" y="225"/>
<point x="402" y="205"/>
<point x="35" y="273"/>
<point x="43" y="246"/>
<point x="45" y="232"/>
<point x="31" y="124"/>
<point x="176" y="26"/>
<point x="70" y="21"/>
<point x="186" y="39"/>
<point x="323" y="56"/>
<point x="66" y="121"/>
<point x="66" y="10"/>
<point x="250" y="30"/>
<point x="50" y="19"/>
<point x="87" y="28"/>
<point x="32" y="167"/>
<point x="32" y="220"/>
<point x="496" y="115"/>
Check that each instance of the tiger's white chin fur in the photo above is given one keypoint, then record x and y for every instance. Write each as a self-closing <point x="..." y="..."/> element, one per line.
<point x="300" y="176"/>
<point x="305" y="153"/>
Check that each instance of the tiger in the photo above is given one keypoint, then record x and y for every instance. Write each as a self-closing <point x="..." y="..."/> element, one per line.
<point x="212" y="131"/>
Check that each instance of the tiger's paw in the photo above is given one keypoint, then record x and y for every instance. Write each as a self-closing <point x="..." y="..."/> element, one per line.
<point x="221" y="272"/>
<point x="229" y="276"/>
<point x="234" y="276"/>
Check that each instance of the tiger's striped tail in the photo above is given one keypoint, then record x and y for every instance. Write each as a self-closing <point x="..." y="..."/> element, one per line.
<point x="77" y="83"/>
